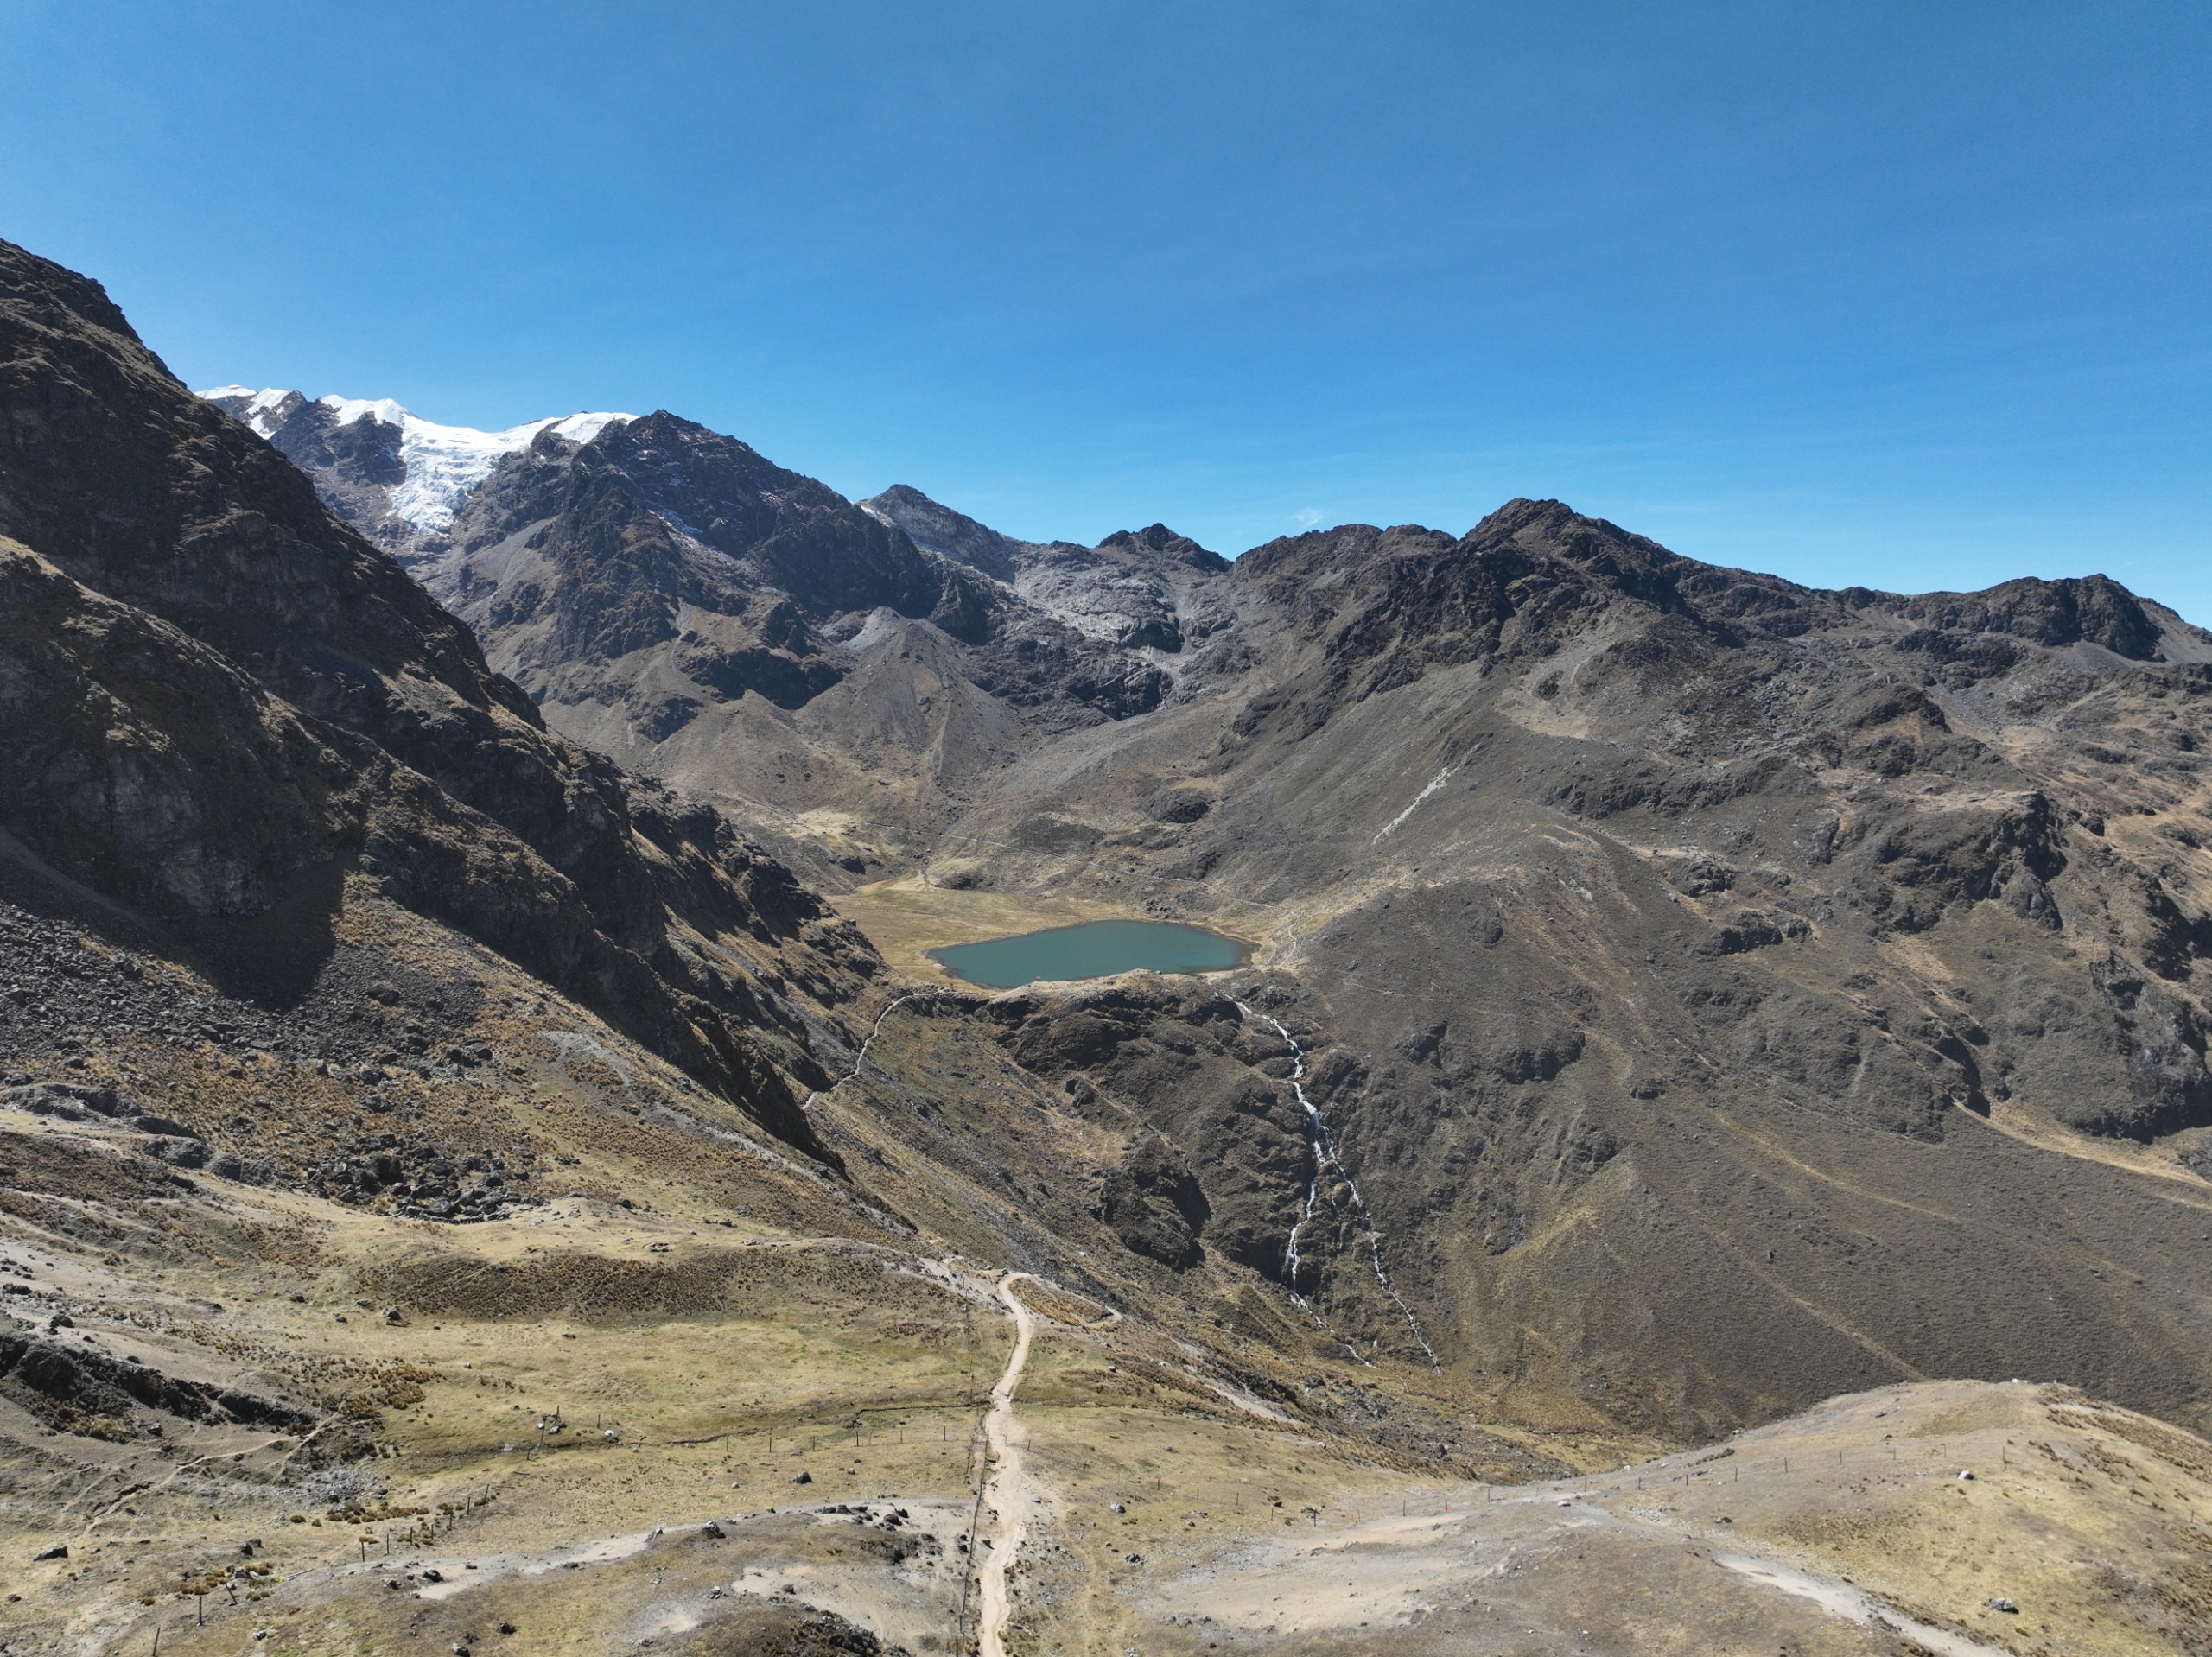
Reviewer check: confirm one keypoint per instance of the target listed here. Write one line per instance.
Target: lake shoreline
(1091, 949)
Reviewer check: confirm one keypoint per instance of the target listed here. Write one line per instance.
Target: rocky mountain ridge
(641, 583)
(395, 477)
(1677, 996)
(670, 597)
(1653, 906)
(1547, 832)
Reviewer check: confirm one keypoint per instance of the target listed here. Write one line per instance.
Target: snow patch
(260, 408)
(443, 463)
(346, 411)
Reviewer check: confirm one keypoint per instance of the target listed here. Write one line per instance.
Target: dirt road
(1009, 1493)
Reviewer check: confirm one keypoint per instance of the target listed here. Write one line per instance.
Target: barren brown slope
(1724, 991)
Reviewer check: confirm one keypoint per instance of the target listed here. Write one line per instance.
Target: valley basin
(1092, 949)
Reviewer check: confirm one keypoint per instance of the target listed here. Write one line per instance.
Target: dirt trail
(1010, 1493)
(1847, 1601)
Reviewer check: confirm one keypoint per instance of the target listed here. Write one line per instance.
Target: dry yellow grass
(905, 919)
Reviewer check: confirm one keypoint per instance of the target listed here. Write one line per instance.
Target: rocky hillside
(223, 706)
(1720, 992)
(1723, 991)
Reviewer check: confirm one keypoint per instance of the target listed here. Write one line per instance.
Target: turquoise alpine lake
(1094, 949)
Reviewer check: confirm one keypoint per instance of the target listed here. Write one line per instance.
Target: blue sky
(1909, 295)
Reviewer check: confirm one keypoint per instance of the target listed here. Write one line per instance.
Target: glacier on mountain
(442, 463)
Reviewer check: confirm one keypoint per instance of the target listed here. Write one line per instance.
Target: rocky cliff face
(1150, 592)
(223, 703)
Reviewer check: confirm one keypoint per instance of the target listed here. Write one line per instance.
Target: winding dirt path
(1010, 1494)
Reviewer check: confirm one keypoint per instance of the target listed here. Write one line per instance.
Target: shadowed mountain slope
(191, 619)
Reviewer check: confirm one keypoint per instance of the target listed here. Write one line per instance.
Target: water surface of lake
(1094, 949)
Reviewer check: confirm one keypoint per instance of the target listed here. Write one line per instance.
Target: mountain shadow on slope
(222, 699)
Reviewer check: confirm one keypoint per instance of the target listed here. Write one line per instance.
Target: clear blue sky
(1909, 295)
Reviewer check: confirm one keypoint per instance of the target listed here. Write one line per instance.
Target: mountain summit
(395, 476)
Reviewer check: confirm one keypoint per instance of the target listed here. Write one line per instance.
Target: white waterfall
(1326, 1159)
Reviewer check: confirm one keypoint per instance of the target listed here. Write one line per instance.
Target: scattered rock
(69, 1102)
(163, 1125)
(182, 1153)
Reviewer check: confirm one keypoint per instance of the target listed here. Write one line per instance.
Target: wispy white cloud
(1306, 516)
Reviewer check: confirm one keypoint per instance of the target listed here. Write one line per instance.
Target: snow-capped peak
(442, 463)
(346, 410)
(262, 410)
